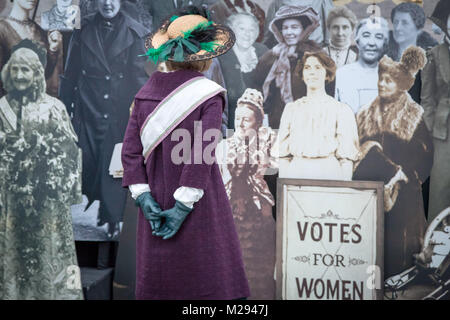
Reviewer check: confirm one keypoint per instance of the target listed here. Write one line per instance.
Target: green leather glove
(174, 219)
(149, 208)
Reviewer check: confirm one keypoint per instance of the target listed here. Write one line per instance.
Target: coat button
(106, 96)
(121, 75)
(107, 77)
(105, 116)
(83, 72)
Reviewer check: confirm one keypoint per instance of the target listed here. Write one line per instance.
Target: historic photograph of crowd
(315, 89)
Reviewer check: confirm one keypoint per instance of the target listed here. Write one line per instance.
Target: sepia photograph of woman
(397, 148)
(318, 137)
(243, 160)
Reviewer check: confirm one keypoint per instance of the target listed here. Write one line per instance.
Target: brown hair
(323, 58)
(200, 66)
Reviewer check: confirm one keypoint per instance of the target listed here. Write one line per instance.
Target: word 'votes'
(330, 231)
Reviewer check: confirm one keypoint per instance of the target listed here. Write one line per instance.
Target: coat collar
(160, 84)
(400, 118)
(126, 36)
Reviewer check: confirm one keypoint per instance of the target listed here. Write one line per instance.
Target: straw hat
(189, 35)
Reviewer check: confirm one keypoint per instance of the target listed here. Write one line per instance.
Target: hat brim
(225, 39)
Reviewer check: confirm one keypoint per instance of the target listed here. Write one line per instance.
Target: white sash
(174, 109)
(7, 113)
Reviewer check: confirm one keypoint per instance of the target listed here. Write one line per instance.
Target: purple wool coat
(203, 260)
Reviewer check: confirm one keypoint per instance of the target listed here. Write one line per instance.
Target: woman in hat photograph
(244, 159)
(436, 103)
(187, 245)
(396, 148)
(274, 73)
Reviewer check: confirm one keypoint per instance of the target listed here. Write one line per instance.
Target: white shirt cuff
(138, 189)
(188, 196)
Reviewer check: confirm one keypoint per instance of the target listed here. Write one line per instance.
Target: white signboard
(329, 240)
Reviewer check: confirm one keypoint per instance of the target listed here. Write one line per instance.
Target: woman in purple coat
(187, 245)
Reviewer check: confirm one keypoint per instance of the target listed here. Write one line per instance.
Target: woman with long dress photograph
(244, 158)
(40, 178)
(397, 148)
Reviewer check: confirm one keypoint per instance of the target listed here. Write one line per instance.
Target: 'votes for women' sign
(329, 240)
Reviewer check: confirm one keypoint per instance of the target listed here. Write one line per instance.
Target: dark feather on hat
(206, 34)
(185, 11)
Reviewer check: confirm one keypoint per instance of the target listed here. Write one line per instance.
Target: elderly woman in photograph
(242, 59)
(39, 179)
(318, 138)
(222, 9)
(274, 73)
(341, 23)
(18, 26)
(408, 20)
(244, 159)
(396, 148)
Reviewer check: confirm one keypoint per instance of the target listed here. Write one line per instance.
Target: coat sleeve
(258, 76)
(421, 159)
(347, 134)
(428, 91)
(136, 64)
(68, 81)
(198, 175)
(132, 159)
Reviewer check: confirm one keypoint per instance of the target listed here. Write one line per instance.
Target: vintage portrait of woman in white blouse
(318, 137)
